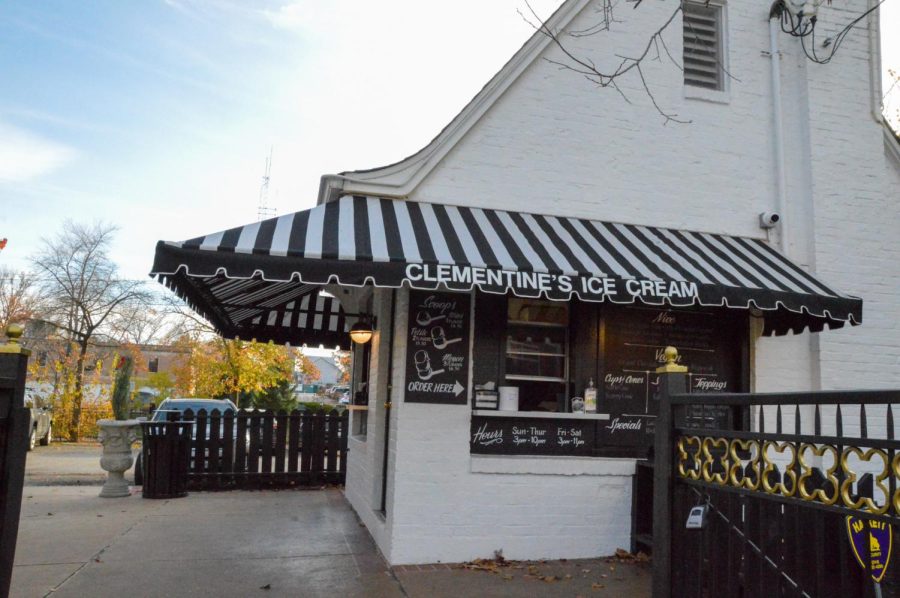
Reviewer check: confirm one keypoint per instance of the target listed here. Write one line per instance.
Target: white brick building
(541, 140)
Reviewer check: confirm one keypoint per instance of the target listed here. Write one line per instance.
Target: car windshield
(182, 406)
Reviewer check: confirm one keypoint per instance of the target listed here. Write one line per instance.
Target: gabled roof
(400, 179)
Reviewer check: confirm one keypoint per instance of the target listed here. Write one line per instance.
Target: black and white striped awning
(250, 308)
(391, 243)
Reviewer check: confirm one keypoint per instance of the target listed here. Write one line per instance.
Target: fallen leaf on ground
(493, 565)
(268, 586)
(624, 555)
(550, 578)
(597, 586)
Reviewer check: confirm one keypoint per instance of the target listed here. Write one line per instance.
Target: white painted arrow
(458, 388)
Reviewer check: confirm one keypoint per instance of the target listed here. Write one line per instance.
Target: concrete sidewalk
(268, 543)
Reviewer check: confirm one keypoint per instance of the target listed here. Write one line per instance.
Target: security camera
(769, 219)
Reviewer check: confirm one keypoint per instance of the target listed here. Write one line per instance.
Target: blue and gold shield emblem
(870, 539)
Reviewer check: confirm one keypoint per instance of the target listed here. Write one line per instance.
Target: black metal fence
(777, 475)
(14, 420)
(256, 449)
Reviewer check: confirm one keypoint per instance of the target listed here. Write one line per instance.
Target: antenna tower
(263, 211)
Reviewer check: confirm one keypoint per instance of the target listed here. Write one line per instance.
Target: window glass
(537, 353)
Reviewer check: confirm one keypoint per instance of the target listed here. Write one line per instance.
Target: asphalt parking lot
(66, 464)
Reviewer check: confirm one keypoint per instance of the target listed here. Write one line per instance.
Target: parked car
(179, 406)
(345, 398)
(337, 392)
(40, 425)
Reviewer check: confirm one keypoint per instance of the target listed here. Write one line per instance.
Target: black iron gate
(776, 477)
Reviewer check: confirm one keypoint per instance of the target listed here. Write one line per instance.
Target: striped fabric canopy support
(251, 277)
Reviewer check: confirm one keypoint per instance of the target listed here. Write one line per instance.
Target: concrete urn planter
(117, 438)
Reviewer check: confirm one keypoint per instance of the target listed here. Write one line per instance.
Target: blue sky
(158, 116)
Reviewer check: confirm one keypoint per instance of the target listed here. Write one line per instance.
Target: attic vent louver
(703, 45)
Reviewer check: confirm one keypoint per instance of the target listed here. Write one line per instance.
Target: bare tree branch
(603, 78)
(82, 290)
(603, 24)
(19, 300)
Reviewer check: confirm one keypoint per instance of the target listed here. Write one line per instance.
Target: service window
(537, 353)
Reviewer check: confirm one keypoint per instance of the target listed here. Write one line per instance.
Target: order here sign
(437, 350)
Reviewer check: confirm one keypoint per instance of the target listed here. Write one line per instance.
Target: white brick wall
(366, 452)
(444, 512)
(556, 144)
(857, 218)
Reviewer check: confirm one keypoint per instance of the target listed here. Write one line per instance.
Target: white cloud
(288, 16)
(302, 16)
(25, 156)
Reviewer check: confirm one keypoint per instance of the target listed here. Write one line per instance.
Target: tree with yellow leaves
(221, 368)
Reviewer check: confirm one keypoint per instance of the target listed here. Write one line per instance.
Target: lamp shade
(361, 332)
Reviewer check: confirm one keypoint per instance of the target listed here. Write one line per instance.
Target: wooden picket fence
(264, 449)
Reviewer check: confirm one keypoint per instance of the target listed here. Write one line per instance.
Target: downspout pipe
(815, 373)
(778, 124)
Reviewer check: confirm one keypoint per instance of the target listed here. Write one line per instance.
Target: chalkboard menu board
(532, 436)
(708, 342)
(437, 351)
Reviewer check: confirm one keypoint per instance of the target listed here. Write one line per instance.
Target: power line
(797, 26)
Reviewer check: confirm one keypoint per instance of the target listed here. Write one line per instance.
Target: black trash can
(166, 452)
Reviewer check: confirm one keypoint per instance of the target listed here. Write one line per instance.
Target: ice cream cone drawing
(423, 366)
(423, 318)
(439, 338)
